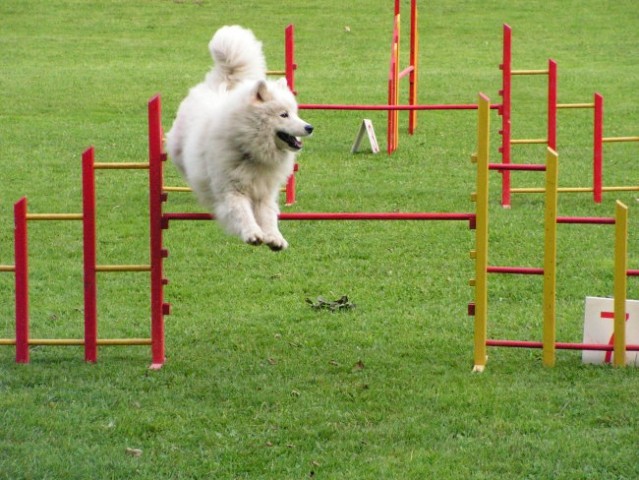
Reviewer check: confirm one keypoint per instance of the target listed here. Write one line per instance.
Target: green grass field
(257, 384)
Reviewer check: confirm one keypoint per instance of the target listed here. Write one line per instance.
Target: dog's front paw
(276, 242)
(253, 238)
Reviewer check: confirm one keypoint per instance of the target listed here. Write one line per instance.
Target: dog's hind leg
(234, 212)
(266, 213)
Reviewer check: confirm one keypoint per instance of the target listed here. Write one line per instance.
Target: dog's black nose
(309, 129)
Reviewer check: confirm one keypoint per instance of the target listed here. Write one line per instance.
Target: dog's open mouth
(293, 142)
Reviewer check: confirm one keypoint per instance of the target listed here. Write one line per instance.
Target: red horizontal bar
(376, 216)
(559, 345)
(587, 220)
(522, 270)
(632, 273)
(340, 216)
(321, 106)
(517, 166)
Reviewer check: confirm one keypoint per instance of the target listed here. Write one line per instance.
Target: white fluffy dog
(235, 138)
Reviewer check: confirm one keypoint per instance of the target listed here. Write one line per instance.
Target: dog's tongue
(290, 140)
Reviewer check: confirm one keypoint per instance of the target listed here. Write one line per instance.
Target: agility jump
(158, 222)
(550, 141)
(393, 107)
(20, 269)
(479, 309)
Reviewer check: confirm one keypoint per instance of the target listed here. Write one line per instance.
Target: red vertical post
(414, 59)
(22, 280)
(552, 104)
(289, 57)
(597, 174)
(397, 6)
(290, 67)
(290, 186)
(90, 256)
(506, 75)
(157, 253)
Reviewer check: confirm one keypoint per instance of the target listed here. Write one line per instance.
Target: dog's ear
(261, 92)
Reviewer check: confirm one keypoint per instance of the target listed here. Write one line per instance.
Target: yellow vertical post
(550, 258)
(621, 266)
(481, 234)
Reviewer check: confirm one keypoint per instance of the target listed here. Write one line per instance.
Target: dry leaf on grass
(134, 452)
(342, 303)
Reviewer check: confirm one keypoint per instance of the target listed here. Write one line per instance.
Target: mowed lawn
(257, 384)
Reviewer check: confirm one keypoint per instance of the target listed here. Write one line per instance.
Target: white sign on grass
(366, 130)
(599, 329)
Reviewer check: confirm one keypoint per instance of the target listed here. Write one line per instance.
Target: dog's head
(279, 104)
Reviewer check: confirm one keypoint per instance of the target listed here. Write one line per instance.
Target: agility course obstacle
(158, 222)
(553, 106)
(479, 309)
(395, 74)
(20, 269)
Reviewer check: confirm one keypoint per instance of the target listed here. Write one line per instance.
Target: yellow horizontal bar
(519, 141)
(276, 72)
(70, 342)
(576, 189)
(56, 341)
(529, 72)
(54, 216)
(527, 190)
(575, 105)
(620, 139)
(620, 189)
(7, 268)
(560, 189)
(124, 341)
(122, 166)
(123, 268)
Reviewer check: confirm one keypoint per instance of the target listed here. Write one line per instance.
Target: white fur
(225, 139)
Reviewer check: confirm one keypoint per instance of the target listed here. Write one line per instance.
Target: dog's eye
(284, 115)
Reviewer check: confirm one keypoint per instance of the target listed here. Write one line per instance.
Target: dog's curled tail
(237, 55)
